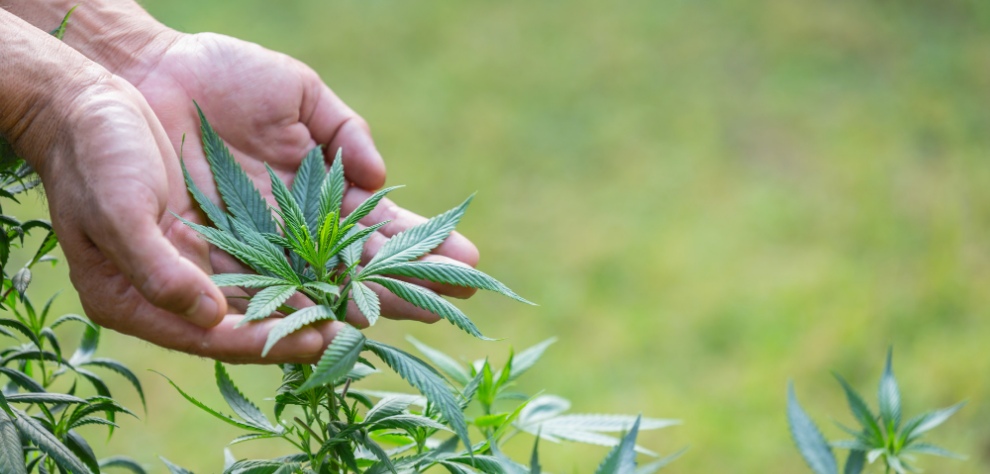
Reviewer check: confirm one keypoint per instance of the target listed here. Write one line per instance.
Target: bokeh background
(707, 199)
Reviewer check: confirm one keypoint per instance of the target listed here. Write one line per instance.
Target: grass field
(707, 199)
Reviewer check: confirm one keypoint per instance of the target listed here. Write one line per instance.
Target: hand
(270, 108)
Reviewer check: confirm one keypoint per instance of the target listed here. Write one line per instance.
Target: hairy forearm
(118, 34)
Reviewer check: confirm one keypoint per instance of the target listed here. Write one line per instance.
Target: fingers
(244, 344)
(333, 123)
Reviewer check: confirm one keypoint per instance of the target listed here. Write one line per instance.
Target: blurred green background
(707, 199)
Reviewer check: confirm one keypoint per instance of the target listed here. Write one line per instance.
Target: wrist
(117, 34)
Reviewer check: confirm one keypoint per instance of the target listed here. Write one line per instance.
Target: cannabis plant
(377, 432)
(881, 435)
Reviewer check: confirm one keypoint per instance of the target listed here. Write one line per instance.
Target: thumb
(157, 270)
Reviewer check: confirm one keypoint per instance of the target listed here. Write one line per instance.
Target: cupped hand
(270, 108)
(111, 178)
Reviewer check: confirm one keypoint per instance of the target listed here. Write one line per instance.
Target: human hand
(272, 109)
(110, 174)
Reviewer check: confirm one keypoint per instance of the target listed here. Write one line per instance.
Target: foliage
(307, 245)
(880, 435)
(356, 430)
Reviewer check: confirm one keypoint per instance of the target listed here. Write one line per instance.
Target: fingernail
(204, 312)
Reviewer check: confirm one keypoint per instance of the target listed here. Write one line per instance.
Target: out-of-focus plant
(881, 435)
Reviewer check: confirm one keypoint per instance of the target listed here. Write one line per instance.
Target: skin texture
(113, 178)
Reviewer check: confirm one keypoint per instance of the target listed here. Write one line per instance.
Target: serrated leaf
(33, 430)
(332, 189)
(295, 322)
(122, 462)
(172, 468)
(92, 420)
(289, 210)
(122, 370)
(660, 463)
(890, 396)
(454, 468)
(931, 449)
(21, 328)
(337, 360)
(366, 207)
(450, 274)
(262, 261)
(22, 380)
(809, 441)
(428, 381)
(243, 407)
(238, 191)
(485, 464)
(266, 301)
(87, 346)
(213, 212)
(306, 186)
(855, 462)
(44, 398)
(225, 418)
(409, 422)
(442, 361)
(534, 458)
(323, 287)
(914, 427)
(417, 241)
(11, 456)
(525, 360)
(604, 423)
(246, 280)
(71, 317)
(622, 459)
(78, 445)
(367, 301)
(430, 301)
(542, 408)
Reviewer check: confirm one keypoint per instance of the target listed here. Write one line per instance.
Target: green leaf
(387, 407)
(33, 430)
(485, 464)
(534, 459)
(920, 424)
(430, 301)
(306, 186)
(172, 468)
(22, 380)
(11, 456)
(325, 288)
(212, 211)
(123, 371)
(225, 418)
(450, 274)
(266, 301)
(243, 407)
(122, 462)
(71, 317)
(46, 246)
(541, 408)
(860, 410)
(291, 213)
(409, 423)
(238, 191)
(366, 207)
(525, 360)
(367, 301)
(59, 32)
(295, 322)
(21, 328)
(21, 280)
(604, 423)
(428, 381)
(87, 346)
(931, 449)
(622, 458)
(92, 420)
(890, 396)
(259, 257)
(855, 462)
(417, 241)
(442, 361)
(660, 463)
(247, 280)
(332, 189)
(338, 359)
(78, 445)
(809, 441)
(44, 398)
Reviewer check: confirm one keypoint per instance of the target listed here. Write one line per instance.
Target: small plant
(880, 435)
(405, 433)
(307, 245)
